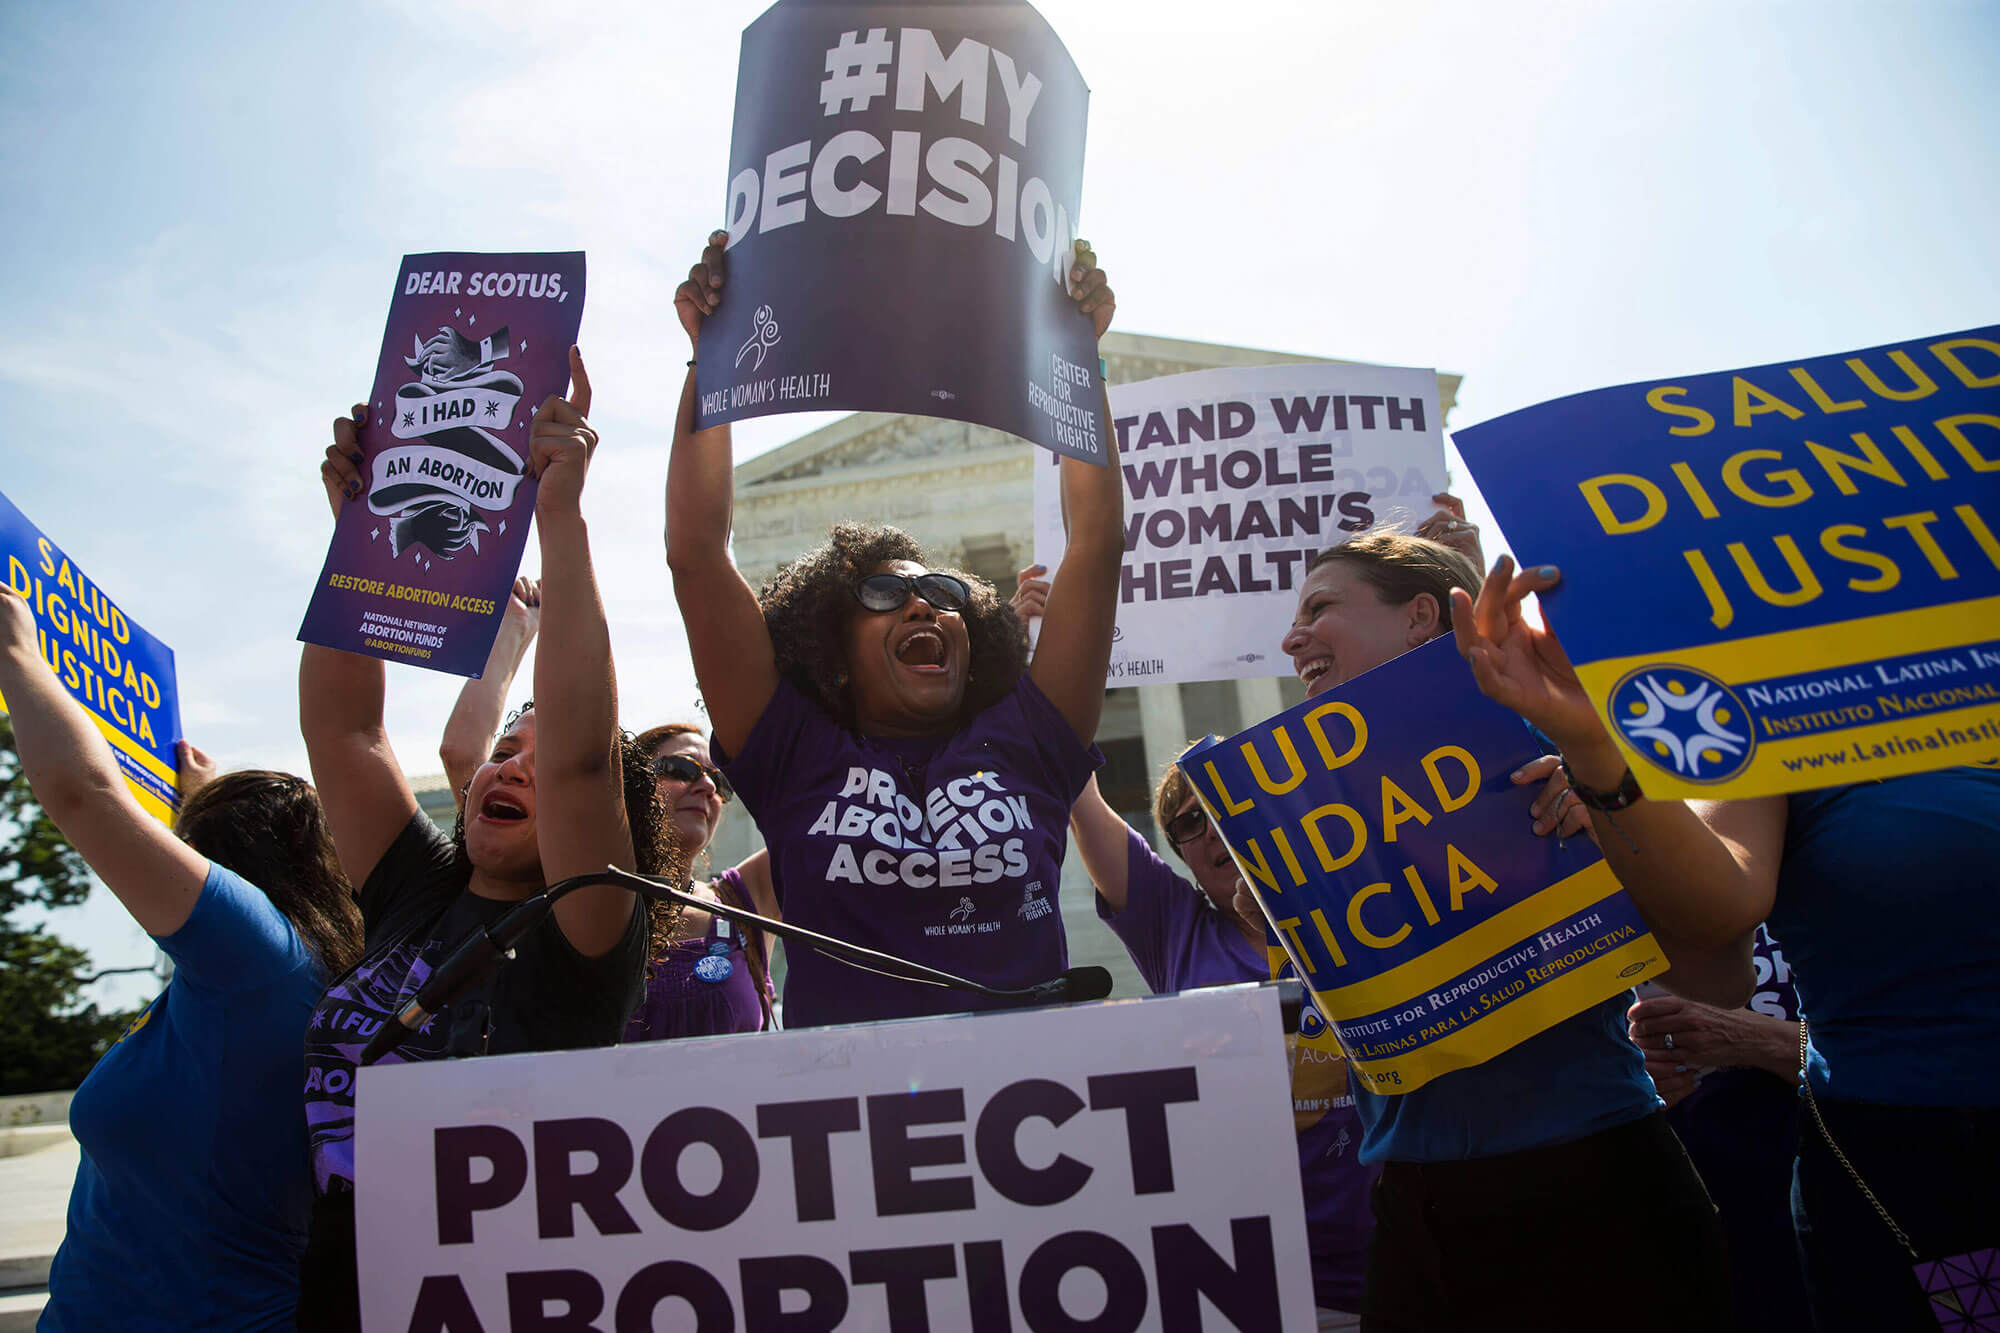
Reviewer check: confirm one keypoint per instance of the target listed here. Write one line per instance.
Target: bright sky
(206, 206)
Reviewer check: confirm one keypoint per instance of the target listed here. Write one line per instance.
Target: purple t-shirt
(705, 986)
(946, 850)
(1180, 942)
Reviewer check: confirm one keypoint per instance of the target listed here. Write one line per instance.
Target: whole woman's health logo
(1685, 722)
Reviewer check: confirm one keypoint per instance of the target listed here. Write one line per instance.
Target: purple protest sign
(420, 566)
(904, 186)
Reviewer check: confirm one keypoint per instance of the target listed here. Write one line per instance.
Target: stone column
(1163, 731)
(1258, 699)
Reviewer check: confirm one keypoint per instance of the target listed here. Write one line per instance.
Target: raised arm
(1075, 645)
(1703, 880)
(75, 777)
(361, 786)
(1103, 840)
(733, 663)
(475, 718)
(579, 779)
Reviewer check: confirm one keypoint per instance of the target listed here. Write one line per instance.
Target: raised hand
(1556, 810)
(1031, 592)
(524, 606)
(340, 473)
(701, 295)
(560, 443)
(1087, 288)
(1450, 527)
(195, 768)
(17, 622)
(1520, 665)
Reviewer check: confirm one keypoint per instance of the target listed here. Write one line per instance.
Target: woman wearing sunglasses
(910, 768)
(715, 977)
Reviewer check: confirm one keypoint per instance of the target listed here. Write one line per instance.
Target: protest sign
(1778, 578)
(421, 564)
(1234, 480)
(1377, 826)
(123, 676)
(904, 187)
(946, 1173)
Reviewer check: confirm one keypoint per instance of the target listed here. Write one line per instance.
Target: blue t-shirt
(1578, 1078)
(193, 1190)
(1889, 907)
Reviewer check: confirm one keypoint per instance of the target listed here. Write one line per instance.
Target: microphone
(488, 946)
(476, 954)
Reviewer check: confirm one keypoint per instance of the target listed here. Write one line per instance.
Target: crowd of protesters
(1835, 1106)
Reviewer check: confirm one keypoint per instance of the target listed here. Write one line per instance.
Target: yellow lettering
(47, 552)
(1918, 526)
(1398, 808)
(1953, 429)
(1752, 401)
(1915, 448)
(1808, 585)
(1263, 776)
(1720, 613)
(1593, 494)
(1982, 534)
(1359, 929)
(1463, 876)
(1290, 927)
(1327, 937)
(1357, 835)
(146, 729)
(1259, 868)
(1656, 398)
(1416, 883)
(1886, 574)
(1946, 352)
(1921, 385)
(1285, 850)
(1818, 395)
(1796, 490)
(1871, 463)
(1229, 803)
(1325, 747)
(1446, 801)
(1696, 492)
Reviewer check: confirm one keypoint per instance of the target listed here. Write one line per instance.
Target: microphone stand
(490, 945)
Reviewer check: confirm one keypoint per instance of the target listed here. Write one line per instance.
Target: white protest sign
(1127, 1165)
(1234, 480)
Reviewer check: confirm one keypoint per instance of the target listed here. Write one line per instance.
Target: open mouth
(1311, 671)
(923, 649)
(502, 809)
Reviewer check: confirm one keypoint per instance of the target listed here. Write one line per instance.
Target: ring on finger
(1670, 1041)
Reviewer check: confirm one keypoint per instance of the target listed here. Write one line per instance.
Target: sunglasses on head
(889, 592)
(684, 768)
(1188, 825)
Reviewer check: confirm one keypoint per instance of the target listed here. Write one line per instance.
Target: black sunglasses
(683, 768)
(889, 592)
(1188, 825)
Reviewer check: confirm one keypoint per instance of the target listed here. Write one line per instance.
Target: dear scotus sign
(1039, 1171)
(905, 182)
(1776, 578)
(419, 568)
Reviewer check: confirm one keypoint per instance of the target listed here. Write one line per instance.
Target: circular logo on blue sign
(714, 968)
(1684, 722)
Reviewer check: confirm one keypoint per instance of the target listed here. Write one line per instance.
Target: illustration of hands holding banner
(1778, 578)
(1389, 848)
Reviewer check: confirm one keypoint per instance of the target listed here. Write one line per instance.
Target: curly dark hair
(656, 843)
(807, 602)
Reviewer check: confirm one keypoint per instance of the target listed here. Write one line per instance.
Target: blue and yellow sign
(1778, 578)
(123, 676)
(1379, 828)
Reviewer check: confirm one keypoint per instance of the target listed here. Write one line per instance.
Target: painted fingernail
(356, 456)
(1549, 572)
